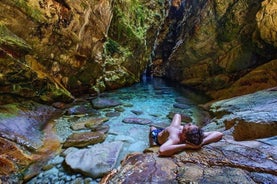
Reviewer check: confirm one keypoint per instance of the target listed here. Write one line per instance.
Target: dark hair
(195, 136)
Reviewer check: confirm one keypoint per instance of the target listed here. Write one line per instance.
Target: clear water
(154, 98)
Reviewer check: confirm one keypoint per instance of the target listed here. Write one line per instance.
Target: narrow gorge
(81, 81)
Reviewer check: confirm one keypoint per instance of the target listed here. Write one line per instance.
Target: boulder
(84, 139)
(251, 116)
(95, 161)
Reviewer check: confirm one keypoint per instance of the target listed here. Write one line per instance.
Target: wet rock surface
(124, 146)
(84, 139)
(223, 162)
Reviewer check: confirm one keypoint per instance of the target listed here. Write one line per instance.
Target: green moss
(132, 18)
(112, 47)
(30, 11)
(8, 111)
(9, 39)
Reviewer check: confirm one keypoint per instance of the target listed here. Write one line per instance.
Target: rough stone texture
(95, 161)
(12, 158)
(84, 139)
(101, 103)
(266, 22)
(23, 123)
(224, 162)
(140, 121)
(56, 50)
(213, 45)
(89, 123)
(250, 116)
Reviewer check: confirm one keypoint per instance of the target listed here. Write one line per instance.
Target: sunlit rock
(213, 47)
(266, 22)
(89, 123)
(68, 48)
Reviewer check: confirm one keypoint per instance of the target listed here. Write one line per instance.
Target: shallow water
(153, 98)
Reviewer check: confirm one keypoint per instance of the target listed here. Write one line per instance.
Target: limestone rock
(222, 162)
(23, 123)
(266, 22)
(73, 47)
(84, 139)
(140, 121)
(95, 161)
(212, 47)
(251, 116)
(12, 158)
(90, 123)
(101, 103)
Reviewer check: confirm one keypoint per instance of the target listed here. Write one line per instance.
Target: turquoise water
(150, 99)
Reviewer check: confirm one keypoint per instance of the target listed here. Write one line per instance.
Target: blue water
(154, 98)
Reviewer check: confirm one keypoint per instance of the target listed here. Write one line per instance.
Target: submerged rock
(95, 161)
(101, 103)
(140, 121)
(84, 139)
(89, 123)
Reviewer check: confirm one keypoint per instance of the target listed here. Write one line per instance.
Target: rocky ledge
(246, 154)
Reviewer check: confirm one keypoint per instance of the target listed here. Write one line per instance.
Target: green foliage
(132, 19)
(8, 38)
(29, 10)
(112, 47)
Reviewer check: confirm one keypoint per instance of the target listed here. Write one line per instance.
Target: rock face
(59, 49)
(223, 48)
(12, 158)
(251, 116)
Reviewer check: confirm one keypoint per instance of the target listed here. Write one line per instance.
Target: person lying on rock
(176, 137)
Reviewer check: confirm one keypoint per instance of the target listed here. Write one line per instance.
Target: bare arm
(169, 148)
(176, 121)
(210, 137)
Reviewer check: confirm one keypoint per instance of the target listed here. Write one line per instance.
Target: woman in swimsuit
(177, 137)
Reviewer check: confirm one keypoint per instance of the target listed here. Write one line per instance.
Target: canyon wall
(55, 50)
(224, 48)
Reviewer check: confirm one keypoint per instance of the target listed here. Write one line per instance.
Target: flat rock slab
(252, 116)
(84, 139)
(101, 103)
(140, 121)
(226, 161)
(95, 161)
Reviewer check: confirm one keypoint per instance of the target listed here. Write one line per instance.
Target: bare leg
(176, 121)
